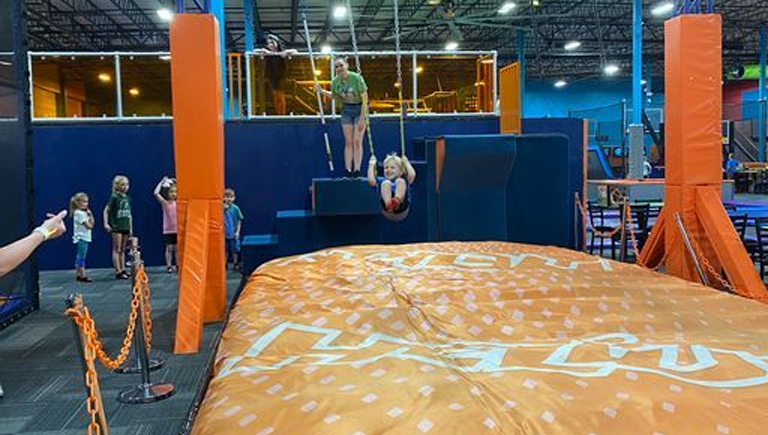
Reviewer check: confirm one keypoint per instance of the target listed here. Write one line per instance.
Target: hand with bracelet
(15, 253)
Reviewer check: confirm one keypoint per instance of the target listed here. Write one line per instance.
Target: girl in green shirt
(349, 90)
(119, 222)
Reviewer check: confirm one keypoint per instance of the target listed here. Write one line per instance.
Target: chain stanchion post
(623, 247)
(146, 392)
(94, 404)
(155, 361)
(691, 251)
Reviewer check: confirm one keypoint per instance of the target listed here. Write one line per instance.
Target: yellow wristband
(46, 233)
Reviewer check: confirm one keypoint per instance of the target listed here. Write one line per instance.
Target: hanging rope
(317, 86)
(359, 68)
(399, 77)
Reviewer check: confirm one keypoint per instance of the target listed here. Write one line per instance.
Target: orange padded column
(692, 127)
(198, 130)
(693, 67)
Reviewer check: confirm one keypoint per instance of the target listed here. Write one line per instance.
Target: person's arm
(89, 222)
(159, 186)
(372, 171)
(105, 216)
(15, 253)
(240, 218)
(410, 172)
(130, 219)
(288, 52)
(364, 97)
(323, 92)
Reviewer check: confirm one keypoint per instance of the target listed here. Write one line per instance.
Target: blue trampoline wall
(270, 164)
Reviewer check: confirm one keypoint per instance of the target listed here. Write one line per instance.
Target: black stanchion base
(155, 363)
(145, 393)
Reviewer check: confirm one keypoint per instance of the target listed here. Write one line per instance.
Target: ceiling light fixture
(572, 45)
(340, 11)
(165, 14)
(507, 7)
(611, 69)
(451, 45)
(662, 9)
(560, 83)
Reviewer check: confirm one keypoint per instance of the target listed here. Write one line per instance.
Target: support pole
(248, 25)
(761, 93)
(520, 38)
(217, 9)
(637, 62)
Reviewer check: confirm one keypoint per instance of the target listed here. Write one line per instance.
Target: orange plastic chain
(86, 323)
(142, 281)
(586, 222)
(92, 404)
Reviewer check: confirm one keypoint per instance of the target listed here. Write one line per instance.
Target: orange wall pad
(198, 126)
(192, 279)
(216, 287)
(509, 96)
(693, 105)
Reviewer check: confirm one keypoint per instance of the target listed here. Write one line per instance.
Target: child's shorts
(170, 239)
(233, 247)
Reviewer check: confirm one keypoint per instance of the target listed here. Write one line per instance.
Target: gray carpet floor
(40, 370)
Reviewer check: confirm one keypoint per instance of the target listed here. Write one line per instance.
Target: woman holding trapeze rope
(350, 89)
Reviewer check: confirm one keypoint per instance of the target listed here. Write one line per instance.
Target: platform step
(343, 196)
(260, 240)
(256, 250)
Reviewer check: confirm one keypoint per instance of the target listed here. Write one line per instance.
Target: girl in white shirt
(83, 222)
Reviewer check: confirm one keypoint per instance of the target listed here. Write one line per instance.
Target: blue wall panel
(543, 100)
(270, 164)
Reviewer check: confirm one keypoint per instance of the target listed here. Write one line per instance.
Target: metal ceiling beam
(91, 13)
(294, 19)
(148, 28)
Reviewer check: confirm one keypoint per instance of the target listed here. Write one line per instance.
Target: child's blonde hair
(229, 191)
(397, 160)
(74, 202)
(119, 179)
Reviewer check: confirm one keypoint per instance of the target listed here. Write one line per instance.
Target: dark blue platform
(344, 196)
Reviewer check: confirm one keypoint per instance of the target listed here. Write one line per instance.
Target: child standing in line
(394, 187)
(233, 219)
(169, 220)
(82, 224)
(119, 222)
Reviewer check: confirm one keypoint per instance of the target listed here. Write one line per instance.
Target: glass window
(285, 86)
(455, 83)
(8, 95)
(380, 74)
(146, 85)
(73, 86)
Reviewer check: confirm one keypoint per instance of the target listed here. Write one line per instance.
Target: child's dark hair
(276, 41)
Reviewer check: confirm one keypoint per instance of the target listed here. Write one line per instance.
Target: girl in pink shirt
(169, 220)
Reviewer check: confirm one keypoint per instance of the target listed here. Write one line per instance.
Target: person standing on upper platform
(349, 89)
(274, 65)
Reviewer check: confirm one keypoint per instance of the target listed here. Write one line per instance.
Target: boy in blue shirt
(731, 167)
(233, 219)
